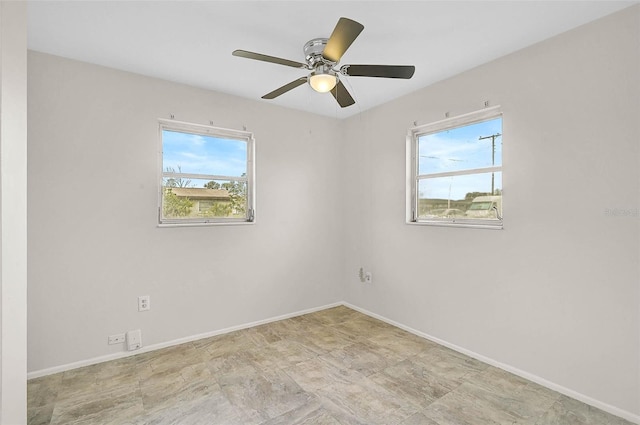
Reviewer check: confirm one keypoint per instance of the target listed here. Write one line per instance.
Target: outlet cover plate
(134, 340)
(116, 339)
(144, 303)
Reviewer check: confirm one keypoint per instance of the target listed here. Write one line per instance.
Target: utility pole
(493, 155)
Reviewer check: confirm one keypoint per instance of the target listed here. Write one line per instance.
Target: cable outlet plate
(116, 339)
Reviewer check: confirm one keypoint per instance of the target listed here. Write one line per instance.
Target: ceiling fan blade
(345, 32)
(267, 58)
(282, 90)
(342, 96)
(383, 71)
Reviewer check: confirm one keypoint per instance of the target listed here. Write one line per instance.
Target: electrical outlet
(144, 303)
(116, 339)
(368, 277)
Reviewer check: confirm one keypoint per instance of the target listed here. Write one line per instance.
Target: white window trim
(412, 176)
(207, 130)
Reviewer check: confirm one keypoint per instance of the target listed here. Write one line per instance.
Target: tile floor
(336, 366)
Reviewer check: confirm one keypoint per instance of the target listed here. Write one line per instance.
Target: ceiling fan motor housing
(313, 52)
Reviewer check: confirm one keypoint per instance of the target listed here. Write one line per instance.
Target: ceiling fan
(321, 58)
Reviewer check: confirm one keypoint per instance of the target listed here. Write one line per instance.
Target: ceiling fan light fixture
(323, 82)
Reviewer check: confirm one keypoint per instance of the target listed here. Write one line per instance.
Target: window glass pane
(472, 146)
(199, 154)
(465, 196)
(184, 198)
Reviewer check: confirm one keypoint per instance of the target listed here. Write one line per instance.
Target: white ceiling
(191, 41)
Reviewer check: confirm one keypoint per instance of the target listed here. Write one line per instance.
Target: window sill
(211, 223)
(492, 225)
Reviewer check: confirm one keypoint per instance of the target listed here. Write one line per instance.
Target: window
(206, 176)
(205, 205)
(455, 171)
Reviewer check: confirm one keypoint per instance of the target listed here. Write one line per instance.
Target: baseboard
(153, 347)
(526, 375)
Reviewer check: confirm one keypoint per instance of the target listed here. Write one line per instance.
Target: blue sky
(459, 149)
(199, 154)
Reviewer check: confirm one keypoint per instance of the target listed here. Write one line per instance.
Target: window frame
(413, 178)
(249, 179)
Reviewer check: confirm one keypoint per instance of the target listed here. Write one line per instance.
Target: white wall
(555, 294)
(13, 212)
(93, 242)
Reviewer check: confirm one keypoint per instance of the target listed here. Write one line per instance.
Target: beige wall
(93, 141)
(555, 294)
